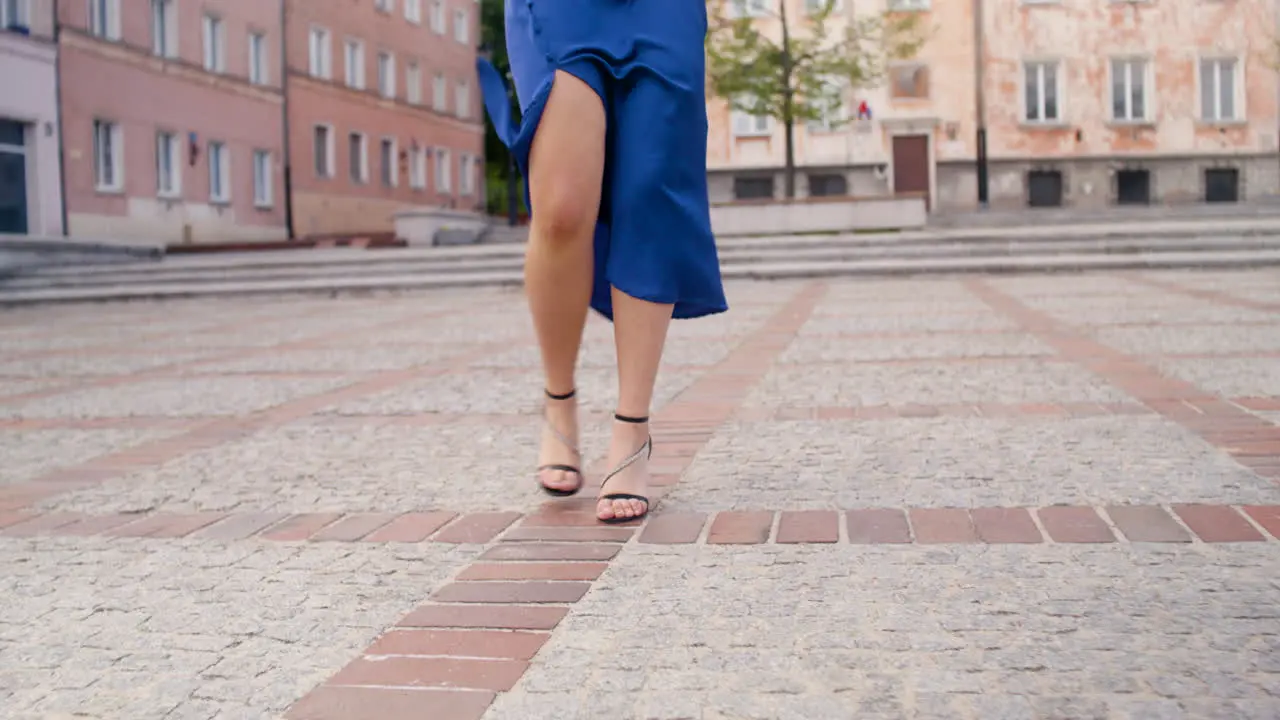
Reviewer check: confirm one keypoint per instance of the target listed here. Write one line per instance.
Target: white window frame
(164, 28)
(259, 64)
(168, 164)
(813, 7)
(385, 6)
(745, 125)
(462, 99)
(413, 82)
(386, 74)
(444, 174)
(389, 164)
(466, 174)
(219, 172)
(440, 93)
(418, 168)
(214, 31)
(438, 17)
(263, 179)
(413, 11)
(358, 164)
(108, 156)
(1059, 87)
(320, 52)
(107, 27)
(1237, 89)
(909, 5)
(835, 120)
(330, 161)
(353, 63)
(746, 8)
(462, 25)
(1126, 64)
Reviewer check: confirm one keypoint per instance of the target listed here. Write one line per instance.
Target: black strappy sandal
(645, 449)
(573, 447)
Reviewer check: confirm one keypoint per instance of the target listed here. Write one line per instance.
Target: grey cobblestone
(95, 364)
(1229, 377)
(810, 349)
(1169, 340)
(30, 453)
(872, 322)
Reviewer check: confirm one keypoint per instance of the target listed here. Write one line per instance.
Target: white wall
(28, 94)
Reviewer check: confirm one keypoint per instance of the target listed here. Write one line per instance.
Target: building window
(909, 81)
(748, 8)
(219, 172)
(1221, 185)
(386, 74)
(908, 5)
(828, 185)
(413, 82)
(1133, 187)
(1218, 90)
(747, 125)
(1129, 90)
(164, 28)
(108, 146)
(439, 93)
(387, 158)
(263, 195)
(258, 63)
(444, 178)
(1041, 92)
(168, 165)
(322, 149)
(462, 97)
(215, 47)
(461, 26)
(15, 14)
(353, 61)
(466, 174)
(813, 7)
(418, 168)
(753, 188)
(358, 156)
(437, 16)
(321, 54)
(413, 11)
(385, 6)
(104, 18)
(1044, 188)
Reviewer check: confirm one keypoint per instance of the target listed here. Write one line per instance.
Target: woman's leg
(566, 168)
(639, 331)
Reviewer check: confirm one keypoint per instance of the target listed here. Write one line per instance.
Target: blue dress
(645, 60)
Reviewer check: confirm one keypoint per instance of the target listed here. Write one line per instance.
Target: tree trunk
(788, 116)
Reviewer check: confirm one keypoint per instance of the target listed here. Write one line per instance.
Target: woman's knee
(562, 217)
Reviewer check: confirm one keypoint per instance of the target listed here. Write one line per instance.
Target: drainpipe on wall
(979, 99)
(57, 100)
(286, 150)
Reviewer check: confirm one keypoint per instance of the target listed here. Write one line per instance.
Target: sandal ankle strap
(633, 420)
(565, 396)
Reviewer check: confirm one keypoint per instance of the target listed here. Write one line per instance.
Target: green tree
(805, 72)
(498, 176)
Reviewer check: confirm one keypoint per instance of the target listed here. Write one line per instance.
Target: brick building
(384, 111)
(30, 178)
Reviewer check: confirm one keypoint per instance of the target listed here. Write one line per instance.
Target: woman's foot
(623, 492)
(559, 459)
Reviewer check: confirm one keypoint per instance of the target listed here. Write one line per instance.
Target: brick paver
(1006, 497)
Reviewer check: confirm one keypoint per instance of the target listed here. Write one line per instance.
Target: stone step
(391, 281)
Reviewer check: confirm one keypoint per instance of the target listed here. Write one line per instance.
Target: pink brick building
(172, 119)
(384, 111)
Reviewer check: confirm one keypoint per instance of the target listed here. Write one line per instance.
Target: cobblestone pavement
(1014, 497)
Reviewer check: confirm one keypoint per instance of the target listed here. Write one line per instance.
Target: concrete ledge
(429, 227)
(819, 215)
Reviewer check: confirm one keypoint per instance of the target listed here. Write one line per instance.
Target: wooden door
(911, 165)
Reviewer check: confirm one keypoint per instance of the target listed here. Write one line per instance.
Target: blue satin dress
(645, 60)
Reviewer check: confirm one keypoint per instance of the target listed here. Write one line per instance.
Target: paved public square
(997, 497)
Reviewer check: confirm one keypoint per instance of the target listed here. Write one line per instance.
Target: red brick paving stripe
(512, 593)
(493, 617)
(1217, 523)
(444, 672)
(476, 528)
(551, 551)
(570, 534)
(353, 527)
(98, 524)
(365, 703)
(878, 526)
(1147, 523)
(239, 527)
(673, 528)
(1267, 516)
(1073, 524)
(1001, 526)
(1214, 296)
(533, 571)
(749, 527)
(1259, 404)
(809, 526)
(300, 527)
(411, 527)
(942, 525)
(175, 525)
(45, 524)
(13, 517)
(496, 644)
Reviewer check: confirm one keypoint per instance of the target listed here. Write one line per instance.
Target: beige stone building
(1087, 103)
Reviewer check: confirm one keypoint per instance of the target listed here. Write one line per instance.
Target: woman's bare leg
(639, 331)
(566, 169)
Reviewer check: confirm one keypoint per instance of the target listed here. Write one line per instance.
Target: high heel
(571, 445)
(646, 450)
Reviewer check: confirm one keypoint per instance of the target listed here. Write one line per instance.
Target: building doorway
(911, 165)
(13, 178)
